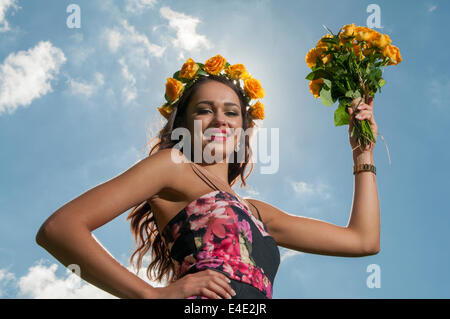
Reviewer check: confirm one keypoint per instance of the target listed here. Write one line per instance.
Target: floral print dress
(218, 231)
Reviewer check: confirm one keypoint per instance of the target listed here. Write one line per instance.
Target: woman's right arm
(66, 234)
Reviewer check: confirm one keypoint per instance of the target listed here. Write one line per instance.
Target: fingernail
(233, 292)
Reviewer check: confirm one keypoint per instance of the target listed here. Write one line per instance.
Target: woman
(205, 239)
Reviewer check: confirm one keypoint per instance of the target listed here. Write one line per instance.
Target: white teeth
(218, 135)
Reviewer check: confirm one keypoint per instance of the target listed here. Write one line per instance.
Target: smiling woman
(203, 238)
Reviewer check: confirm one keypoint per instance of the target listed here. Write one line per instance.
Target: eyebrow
(212, 103)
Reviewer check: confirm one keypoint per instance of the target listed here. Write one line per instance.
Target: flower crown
(217, 65)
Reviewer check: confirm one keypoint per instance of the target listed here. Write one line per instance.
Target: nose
(220, 119)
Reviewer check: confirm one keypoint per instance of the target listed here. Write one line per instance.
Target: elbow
(47, 232)
(371, 249)
(42, 235)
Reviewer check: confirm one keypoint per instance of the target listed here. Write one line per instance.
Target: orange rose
(165, 110)
(393, 53)
(174, 88)
(322, 46)
(189, 69)
(326, 59)
(253, 87)
(365, 34)
(257, 111)
(315, 86)
(381, 41)
(348, 30)
(311, 57)
(357, 50)
(237, 71)
(368, 50)
(215, 65)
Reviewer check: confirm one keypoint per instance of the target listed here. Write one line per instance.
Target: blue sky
(78, 106)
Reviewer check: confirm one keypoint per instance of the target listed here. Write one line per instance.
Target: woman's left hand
(363, 112)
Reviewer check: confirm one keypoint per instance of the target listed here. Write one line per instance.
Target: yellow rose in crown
(253, 88)
(174, 88)
(237, 72)
(215, 65)
(189, 69)
(165, 110)
(257, 111)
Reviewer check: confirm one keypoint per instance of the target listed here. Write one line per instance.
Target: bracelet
(364, 167)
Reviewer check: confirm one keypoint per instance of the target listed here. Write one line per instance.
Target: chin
(218, 151)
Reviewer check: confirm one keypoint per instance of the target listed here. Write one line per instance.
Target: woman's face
(217, 108)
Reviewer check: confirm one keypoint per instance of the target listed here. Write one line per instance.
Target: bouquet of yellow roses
(347, 66)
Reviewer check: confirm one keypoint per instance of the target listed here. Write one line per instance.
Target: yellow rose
(245, 76)
(326, 59)
(174, 88)
(257, 111)
(237, 71)
(321, 45)
(365, 34)
(357, 50)
(381, 40)
(165, 110)
(315, 86)
(253, 87)
(311, 57)
(348, 30)
(393, 53)
(368, 49)
(215, 65)
(189, 69)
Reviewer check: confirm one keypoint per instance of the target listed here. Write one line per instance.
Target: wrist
(149, 293)
(363, 158)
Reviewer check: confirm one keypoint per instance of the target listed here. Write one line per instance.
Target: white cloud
(439, 91)
(431, 8)
(114, 38)
(184, 25)
(132, 41)
(129, 92)
(42, 282)
(26, 75)
(310, 190)
(287, 253)
(5, 278)
(86, 89)
(138, 6)
(4, 6)
(135, 51)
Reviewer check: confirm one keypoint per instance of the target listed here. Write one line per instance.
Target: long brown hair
(142, 219)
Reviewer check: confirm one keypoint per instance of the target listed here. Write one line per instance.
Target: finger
(364, 107)
(356, 102)
(365, 115)
(225, 284)
(218, 289)
(204, 291)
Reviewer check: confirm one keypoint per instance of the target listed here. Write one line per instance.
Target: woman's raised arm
(66, 234)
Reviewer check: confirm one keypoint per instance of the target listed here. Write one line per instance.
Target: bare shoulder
(171, 165)
(171, 161)
(266, 210)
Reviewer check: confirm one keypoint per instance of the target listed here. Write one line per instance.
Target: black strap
(197, 169)
(217, 188)
(257, 211)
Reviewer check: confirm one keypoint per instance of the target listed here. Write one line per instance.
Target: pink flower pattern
(222, 237)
